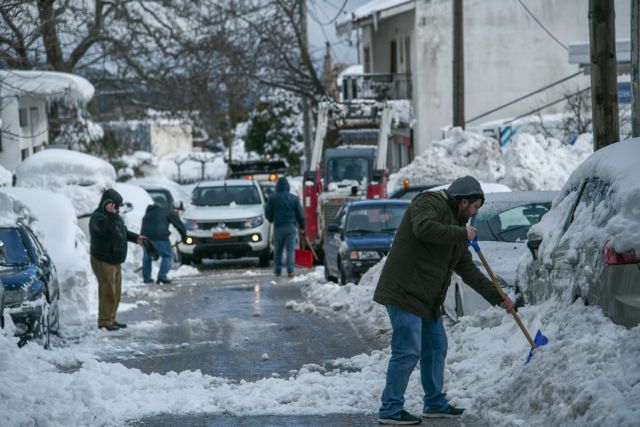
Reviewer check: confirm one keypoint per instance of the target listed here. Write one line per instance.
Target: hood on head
(282, 184)
(110, 195)
(466, 187)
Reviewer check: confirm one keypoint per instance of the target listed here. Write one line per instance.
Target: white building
(23, 109)
(511, 49)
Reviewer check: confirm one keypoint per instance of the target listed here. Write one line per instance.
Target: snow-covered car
(226, 220)
(487, 187)
(163, 191)
(359, 237)
(588, 244)
(30, 283)
(1, 295)
(502, 223)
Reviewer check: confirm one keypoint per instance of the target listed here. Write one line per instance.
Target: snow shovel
(540, 339)
(304, 258)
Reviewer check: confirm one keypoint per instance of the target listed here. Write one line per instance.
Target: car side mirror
(533, 243)
(179, 206)
(1, 250)
(46, 259)
(126, 207)
(333, 228)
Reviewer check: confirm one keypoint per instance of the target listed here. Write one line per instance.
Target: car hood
(212, 213)
(502, 257)
(14, 278)
(381, 241)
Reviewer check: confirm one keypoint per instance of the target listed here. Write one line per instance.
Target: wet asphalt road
(222, 321)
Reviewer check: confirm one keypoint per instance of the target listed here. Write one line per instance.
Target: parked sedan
(361, 234)
(30, 284)
(502, 223)
(588, 245)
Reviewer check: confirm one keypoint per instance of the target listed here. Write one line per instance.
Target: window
(348, 169)
(226, 195)
(25, 153)
(407, 53)
(594, 203)
(15, 252)
(22, 113)
(366, 53)
(510, 225)
(393, 49)
(0, 141)
(375, 219)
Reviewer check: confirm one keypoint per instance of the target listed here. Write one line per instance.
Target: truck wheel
(265, 257)
(185, 259)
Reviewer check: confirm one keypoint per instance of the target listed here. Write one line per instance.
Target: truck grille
(235, 225)
(330, 211)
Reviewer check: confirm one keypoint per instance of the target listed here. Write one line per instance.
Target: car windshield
(510, 225)
(350, 169)
(160, 198)
(375, 219)
(225, 195)
(14, 251)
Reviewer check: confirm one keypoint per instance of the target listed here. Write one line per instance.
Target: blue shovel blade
(539, 341)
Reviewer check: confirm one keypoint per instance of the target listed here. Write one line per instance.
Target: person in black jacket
(155, 226)
(109, 237)
(284, 211)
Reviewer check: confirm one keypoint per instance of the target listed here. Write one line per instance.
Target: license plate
(220, 236)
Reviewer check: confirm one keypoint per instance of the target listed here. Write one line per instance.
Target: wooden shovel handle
(494, 279)
(306, 239)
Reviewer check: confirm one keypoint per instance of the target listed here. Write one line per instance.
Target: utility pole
(635, 68)
(604, 78)
(305, 102)
(458, 65)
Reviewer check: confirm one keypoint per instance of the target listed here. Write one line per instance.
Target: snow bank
(5, 176)
(527, 163)
(80, 177)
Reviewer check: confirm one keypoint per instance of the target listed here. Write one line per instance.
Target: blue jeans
(415, 339)
(164, 249)
(283, 238)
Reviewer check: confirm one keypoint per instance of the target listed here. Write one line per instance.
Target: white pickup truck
(226, 220)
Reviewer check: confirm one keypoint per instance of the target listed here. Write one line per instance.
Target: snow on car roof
(487, 187)
(229, 182)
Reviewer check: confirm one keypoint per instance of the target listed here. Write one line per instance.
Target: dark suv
(30, 284)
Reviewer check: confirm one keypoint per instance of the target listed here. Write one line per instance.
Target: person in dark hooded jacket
(430, 244)
(108, 247)
(284, 211)
(155, 226)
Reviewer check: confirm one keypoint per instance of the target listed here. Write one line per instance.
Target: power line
(542, 25)
(334, 19)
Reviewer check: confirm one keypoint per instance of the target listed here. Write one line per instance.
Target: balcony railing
(377, 86)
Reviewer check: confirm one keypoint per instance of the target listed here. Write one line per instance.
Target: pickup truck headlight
(364, 255)
(254, 222)
(190, 224)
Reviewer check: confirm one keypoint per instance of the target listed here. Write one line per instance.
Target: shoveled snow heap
(5, 176)
(79, 176)
(529, 162)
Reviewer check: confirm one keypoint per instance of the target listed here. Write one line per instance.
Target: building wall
(167, 139)
(396, 28)
(22, 141)
(507, 55)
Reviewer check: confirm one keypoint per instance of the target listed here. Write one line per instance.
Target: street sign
(624, 93)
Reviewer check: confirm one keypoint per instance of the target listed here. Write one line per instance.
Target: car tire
(459, 307)
(328, 277)
(185, 259)
(265, 257)
(43, 333)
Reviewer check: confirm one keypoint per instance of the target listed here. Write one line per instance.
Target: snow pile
(5, 177)
(517, 165)
(80, 177)
(58, 231)
(140, 162)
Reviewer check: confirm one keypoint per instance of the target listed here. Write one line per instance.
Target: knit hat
(466, 187)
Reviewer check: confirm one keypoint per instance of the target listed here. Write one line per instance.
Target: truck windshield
(225, 195)
(375, 219)
(348, 169)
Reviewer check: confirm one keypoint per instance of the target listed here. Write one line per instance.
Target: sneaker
(120, 325)
(402, 417)
(448, 412)
(163, 280)
(113, 327)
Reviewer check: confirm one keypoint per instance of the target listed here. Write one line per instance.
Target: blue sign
(624, 93)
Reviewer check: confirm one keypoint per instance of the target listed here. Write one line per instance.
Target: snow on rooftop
(376, 6)
(49, 84)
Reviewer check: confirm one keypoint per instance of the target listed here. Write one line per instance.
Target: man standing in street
(284, 211)
(109, 238)
(155, 226)
(431, 243)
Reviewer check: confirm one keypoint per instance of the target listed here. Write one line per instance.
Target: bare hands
(507, 304)
(141, 239)
(471, 233)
